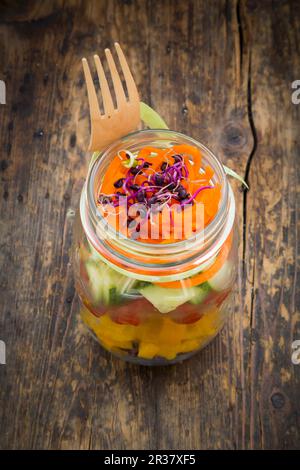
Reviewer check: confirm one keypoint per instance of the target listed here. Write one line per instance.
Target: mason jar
(154, 303)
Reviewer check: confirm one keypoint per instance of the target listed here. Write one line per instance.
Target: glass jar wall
(154, 303)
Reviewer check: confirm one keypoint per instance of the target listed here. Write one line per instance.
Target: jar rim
(218, 166)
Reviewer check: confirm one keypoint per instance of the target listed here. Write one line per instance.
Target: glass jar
(154, 304)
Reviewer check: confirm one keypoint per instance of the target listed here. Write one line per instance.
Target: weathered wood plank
(271, 227)
(220, 71)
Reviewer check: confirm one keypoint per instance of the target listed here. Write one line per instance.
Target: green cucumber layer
(109, 287)
(106, 285)
(201, 293)
(223, 278)
(166, 300)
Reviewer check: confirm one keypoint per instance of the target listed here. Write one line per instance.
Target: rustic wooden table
(220, 71)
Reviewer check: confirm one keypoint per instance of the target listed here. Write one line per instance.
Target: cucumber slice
(201, 293)
(223, 278)
(95, 280)
(94, 254)
(166, 300)
(141, 284)
(151, 118)
(106, 285)
(127, 284)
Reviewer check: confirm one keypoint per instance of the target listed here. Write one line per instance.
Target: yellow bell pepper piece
(112, 345)
(208, 325)
(109, 332)
(90, 320)
(171, 333)
(105, 327)
(189, 345)
(114, 331)
(149, 331)
(168, 352)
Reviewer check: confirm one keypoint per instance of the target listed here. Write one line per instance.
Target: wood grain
(220, 71)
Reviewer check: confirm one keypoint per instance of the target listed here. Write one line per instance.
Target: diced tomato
(128, 319)
(186, 314)
(132, 313)
(83, 272)
(216, 298)
(222, 297)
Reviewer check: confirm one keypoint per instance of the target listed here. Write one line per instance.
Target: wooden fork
(114, 123)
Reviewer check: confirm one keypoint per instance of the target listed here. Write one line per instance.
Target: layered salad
(142, 196)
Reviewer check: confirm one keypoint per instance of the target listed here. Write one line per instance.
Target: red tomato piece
(132, 313)
(186, 314)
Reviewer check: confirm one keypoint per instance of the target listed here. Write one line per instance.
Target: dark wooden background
(220, 71)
